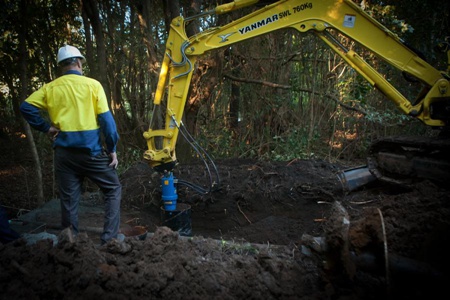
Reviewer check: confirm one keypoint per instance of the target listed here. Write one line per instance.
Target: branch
(262, 82)
(275, 85)
(335, 100)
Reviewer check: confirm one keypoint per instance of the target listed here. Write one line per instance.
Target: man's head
(69, 57)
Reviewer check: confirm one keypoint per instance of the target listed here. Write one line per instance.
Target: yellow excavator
(388, 159)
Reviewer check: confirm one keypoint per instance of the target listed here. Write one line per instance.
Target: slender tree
(23, 94)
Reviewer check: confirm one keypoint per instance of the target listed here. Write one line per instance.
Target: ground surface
(274, 230)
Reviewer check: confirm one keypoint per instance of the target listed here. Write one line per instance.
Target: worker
(79, 117)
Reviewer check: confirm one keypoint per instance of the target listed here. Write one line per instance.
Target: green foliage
(293, 144)
(385, 117)
(127, 158)
(354, 88)
(241, 248)
(219, 143)
(386, 14)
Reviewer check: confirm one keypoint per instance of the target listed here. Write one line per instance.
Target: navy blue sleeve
(32, 115)
(109, 130)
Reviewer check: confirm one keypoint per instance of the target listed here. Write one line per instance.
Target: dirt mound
(163, 266)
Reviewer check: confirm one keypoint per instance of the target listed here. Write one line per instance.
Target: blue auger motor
(169, 192)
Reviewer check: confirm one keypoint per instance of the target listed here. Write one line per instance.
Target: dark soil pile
(274, 230)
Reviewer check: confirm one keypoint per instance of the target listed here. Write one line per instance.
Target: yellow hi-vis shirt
(77, 105)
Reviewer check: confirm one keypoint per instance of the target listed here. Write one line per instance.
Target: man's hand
(114, 161)
(52, 132)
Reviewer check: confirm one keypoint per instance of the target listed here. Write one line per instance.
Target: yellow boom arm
(316, 16)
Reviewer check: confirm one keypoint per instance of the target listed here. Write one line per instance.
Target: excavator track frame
(405, 159)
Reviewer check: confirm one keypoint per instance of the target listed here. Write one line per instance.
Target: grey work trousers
(72, 166)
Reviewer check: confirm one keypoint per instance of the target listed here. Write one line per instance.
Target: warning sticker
(349, 21)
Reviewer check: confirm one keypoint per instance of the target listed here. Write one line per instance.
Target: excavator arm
(326, 19)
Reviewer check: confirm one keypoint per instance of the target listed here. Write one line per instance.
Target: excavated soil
(273, 230)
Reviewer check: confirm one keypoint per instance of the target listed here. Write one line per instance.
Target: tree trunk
(91, 9)
(23, 95)
(143, 11)
(235, 96)
(89, 44)
(171, 10)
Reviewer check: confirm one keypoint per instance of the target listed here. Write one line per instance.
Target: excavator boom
(326, 19)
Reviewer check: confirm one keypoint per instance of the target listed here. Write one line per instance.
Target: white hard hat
(68, 52)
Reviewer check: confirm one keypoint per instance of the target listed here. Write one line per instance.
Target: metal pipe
(354, 178)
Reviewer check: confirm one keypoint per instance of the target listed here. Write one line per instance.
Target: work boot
(120, 237)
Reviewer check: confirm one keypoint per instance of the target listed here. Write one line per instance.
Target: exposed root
(386, 258)
(237, 203)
